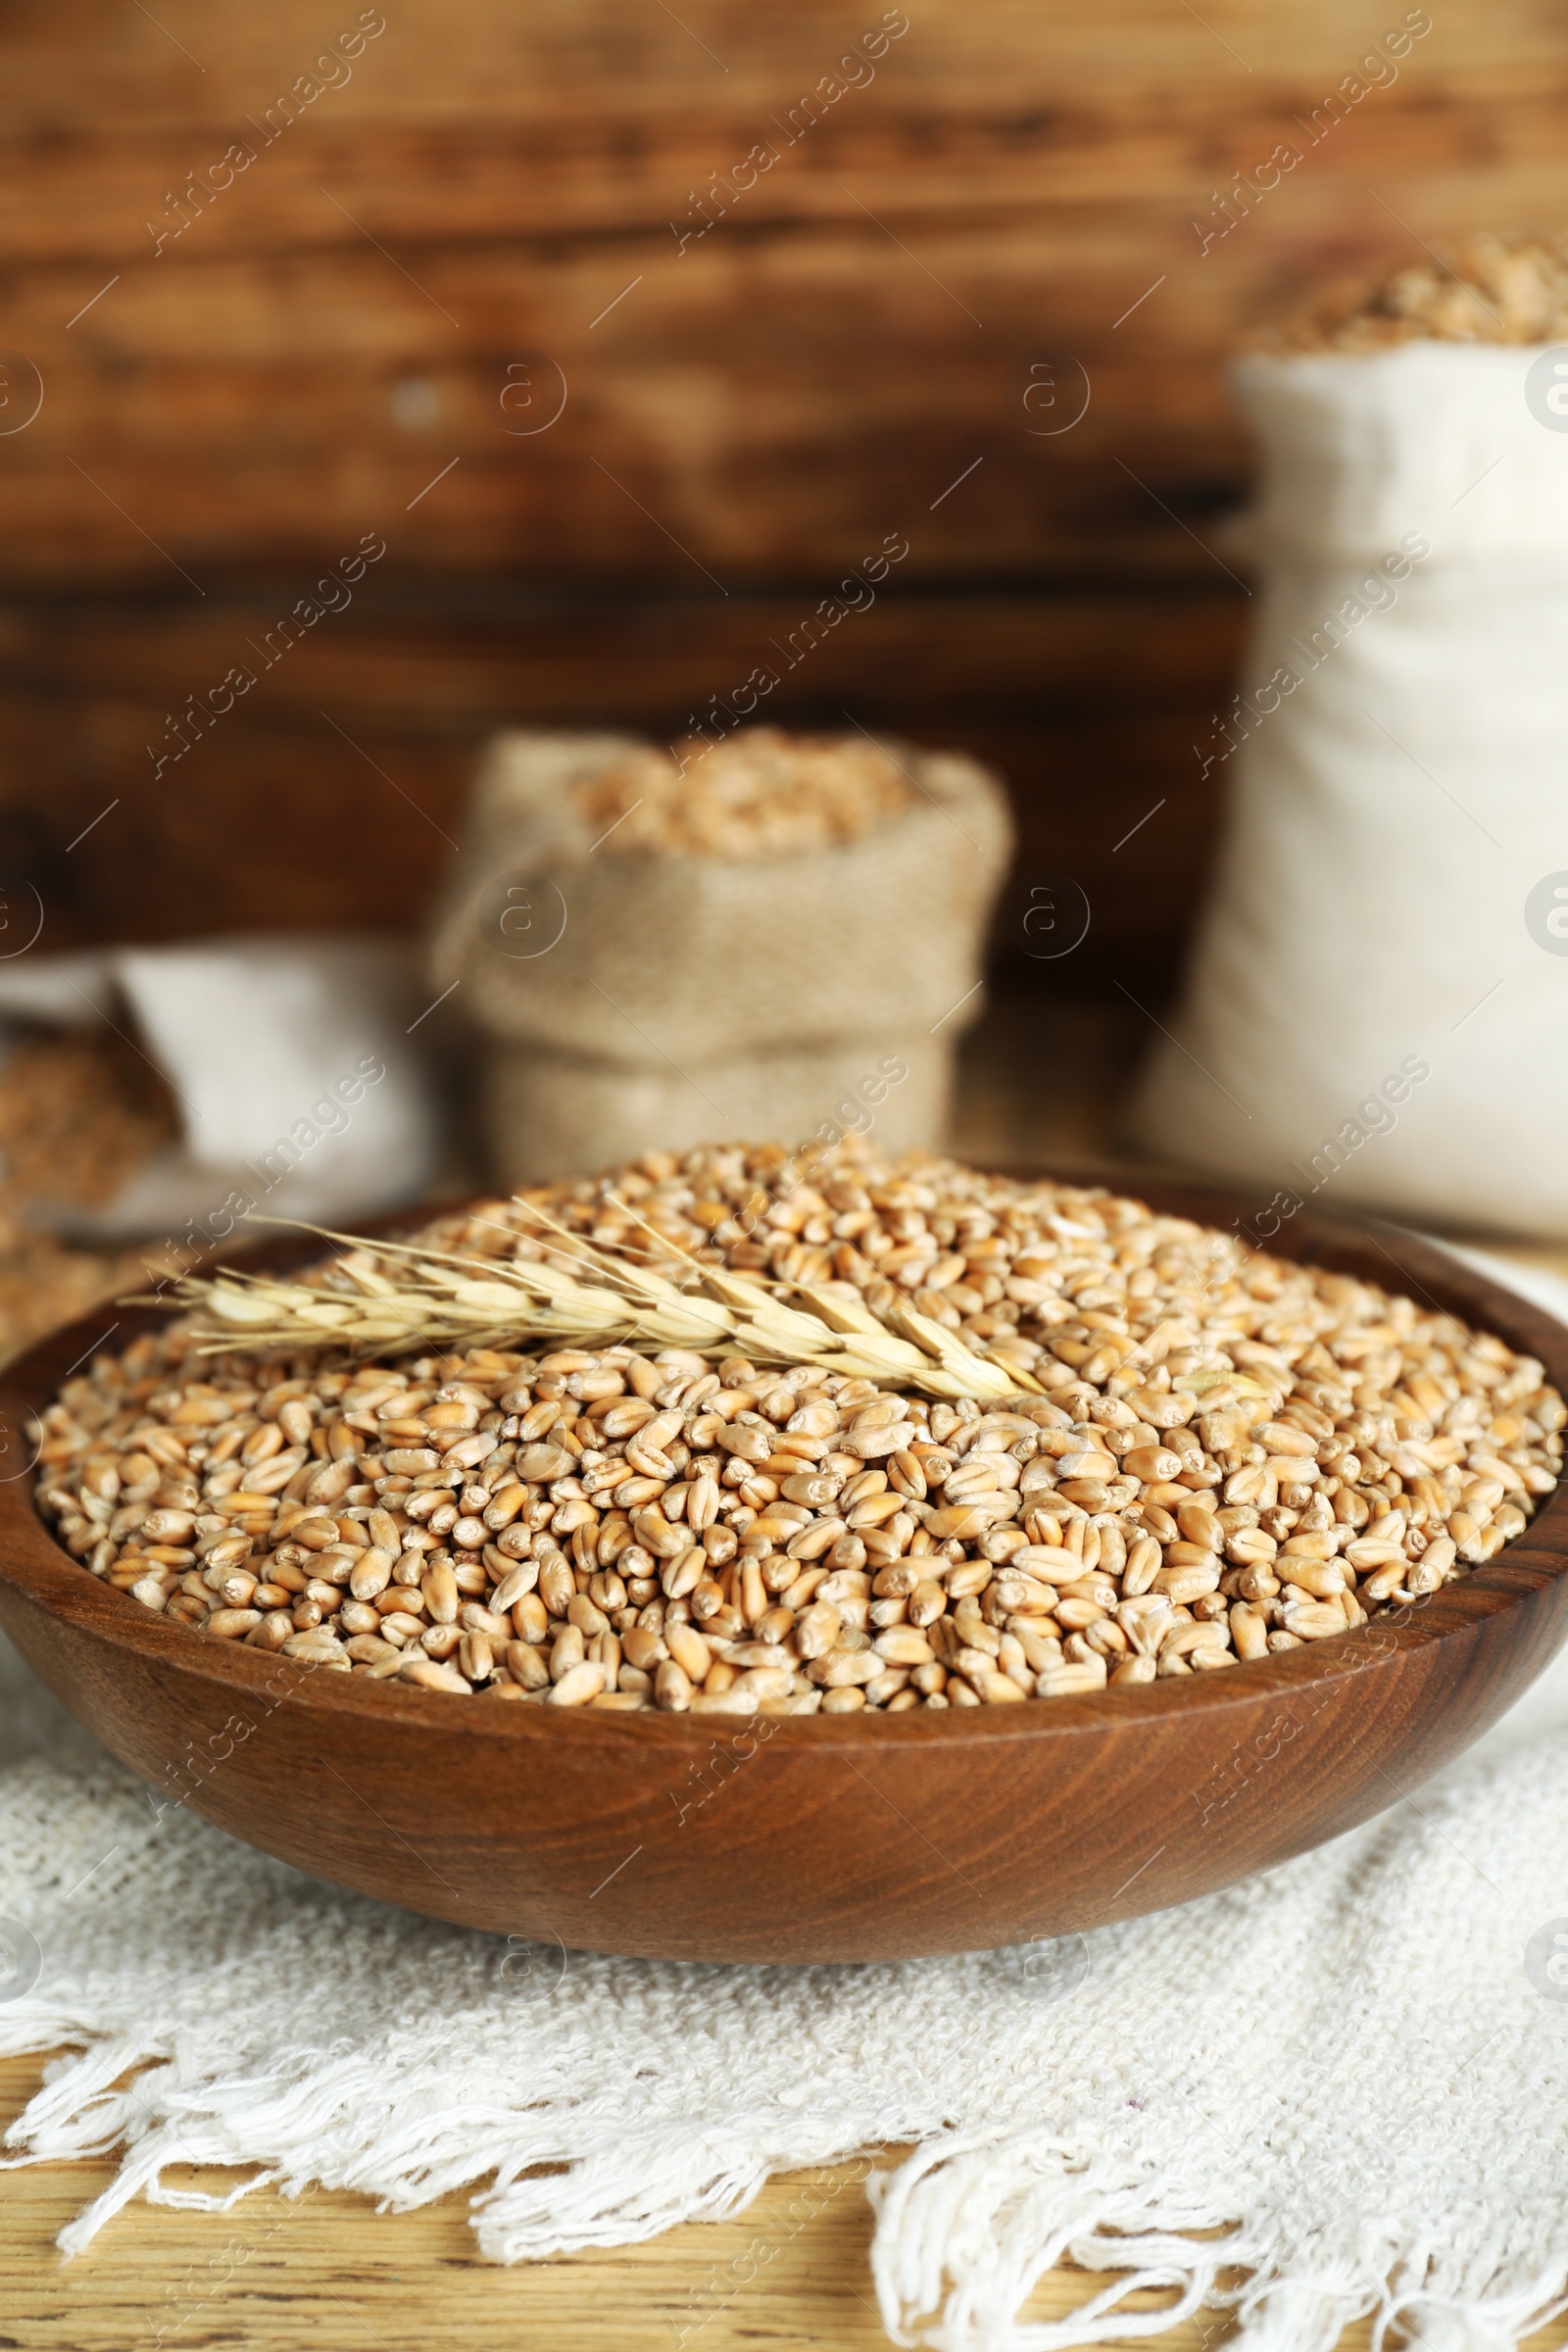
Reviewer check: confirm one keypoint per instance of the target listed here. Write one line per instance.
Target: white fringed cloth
(1353, 2069)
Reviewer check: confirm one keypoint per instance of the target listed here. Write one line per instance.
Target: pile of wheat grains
(760, 794)
(1493, 291)
(1223, 1454)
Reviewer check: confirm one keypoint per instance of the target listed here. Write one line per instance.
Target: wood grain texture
(790, 1838)
(853, 330)
(331, 345)
(329, 2270)
(328, 2265)
(790, 2274)
(331, 791)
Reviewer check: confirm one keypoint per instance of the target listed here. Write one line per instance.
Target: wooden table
(271, 2272)
(328, 2269)
(1040, 1083)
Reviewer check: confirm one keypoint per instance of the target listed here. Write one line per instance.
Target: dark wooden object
(287, 359)
(331, 343)
(821, 1838)
(358, 747)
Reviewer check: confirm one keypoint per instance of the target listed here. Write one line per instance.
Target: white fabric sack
(298, 1089)
(1377, 1002)
(1355, 2066)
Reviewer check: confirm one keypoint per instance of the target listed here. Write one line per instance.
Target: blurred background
(504, 305)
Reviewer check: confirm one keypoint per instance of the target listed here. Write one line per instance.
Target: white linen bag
(1378, 1005)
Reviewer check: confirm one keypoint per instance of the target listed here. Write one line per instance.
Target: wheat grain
(1494, 292)
(1267, 1453)
(763, 794)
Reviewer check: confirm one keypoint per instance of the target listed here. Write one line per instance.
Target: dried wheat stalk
(596, 1297)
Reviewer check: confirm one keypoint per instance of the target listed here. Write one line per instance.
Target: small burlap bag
(654, 1002)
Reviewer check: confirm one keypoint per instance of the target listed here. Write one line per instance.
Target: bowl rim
(43, 1573)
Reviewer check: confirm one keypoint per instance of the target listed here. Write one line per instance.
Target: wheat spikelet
(597, 1299)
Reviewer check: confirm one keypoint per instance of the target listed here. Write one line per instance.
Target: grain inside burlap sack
(638, 1003)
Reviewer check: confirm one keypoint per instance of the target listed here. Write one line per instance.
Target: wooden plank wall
(365, 320)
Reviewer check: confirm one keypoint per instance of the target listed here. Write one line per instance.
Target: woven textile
(707, 999)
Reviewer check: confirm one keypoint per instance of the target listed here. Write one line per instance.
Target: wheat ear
(597, 1299)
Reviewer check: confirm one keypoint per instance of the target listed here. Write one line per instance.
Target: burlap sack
(637, 1002)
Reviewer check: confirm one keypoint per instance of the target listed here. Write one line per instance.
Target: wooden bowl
(815, 1837)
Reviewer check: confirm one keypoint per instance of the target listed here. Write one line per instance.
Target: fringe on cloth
(1338, 2090)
